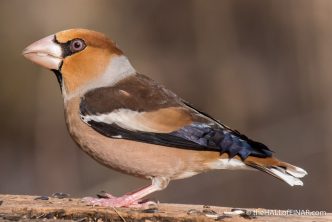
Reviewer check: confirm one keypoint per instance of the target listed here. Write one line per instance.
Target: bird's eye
(77, 45)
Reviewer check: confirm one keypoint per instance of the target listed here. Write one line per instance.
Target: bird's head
(79, 58)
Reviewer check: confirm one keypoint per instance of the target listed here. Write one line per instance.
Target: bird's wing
(137, 108)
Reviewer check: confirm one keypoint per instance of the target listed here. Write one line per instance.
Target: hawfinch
(130, 123)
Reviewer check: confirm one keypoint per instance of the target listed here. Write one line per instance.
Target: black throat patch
(58, 75)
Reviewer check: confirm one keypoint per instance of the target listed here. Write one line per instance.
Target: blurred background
(262, 67)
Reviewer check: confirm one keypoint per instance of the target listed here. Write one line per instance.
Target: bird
(135, 125)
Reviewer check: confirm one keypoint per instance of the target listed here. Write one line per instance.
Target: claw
(125, 201)
(133, 199)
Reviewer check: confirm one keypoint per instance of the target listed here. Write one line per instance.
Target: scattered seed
(238, 210)
(102, 194)
(247, 214)
(50, 215)
(194, 212)
(211, 214)
(60, 195)
(209, 211)
(151, 210)
(222, 217)
(41, 198)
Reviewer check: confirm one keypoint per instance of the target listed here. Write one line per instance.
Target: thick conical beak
(45, 52)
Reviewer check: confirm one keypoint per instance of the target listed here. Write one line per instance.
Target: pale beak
(45, 52)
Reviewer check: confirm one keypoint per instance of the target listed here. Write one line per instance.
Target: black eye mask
(71, 47)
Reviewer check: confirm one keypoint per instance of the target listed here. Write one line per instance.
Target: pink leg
(131, 199)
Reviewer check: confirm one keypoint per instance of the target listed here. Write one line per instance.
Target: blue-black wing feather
(196, 136)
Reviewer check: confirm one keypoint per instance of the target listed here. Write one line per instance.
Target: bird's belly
(135, 158)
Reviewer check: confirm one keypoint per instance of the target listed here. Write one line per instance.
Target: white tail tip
(296, 172)
(290, 175)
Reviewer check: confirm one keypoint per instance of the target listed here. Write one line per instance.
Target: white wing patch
(124, 118)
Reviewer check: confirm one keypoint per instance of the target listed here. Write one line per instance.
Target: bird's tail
(281, 170)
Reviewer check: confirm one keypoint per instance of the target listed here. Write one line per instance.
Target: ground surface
(62, 207)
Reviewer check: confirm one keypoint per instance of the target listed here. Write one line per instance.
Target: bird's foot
(109, 200)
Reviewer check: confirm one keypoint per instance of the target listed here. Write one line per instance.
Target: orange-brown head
(79, 57)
